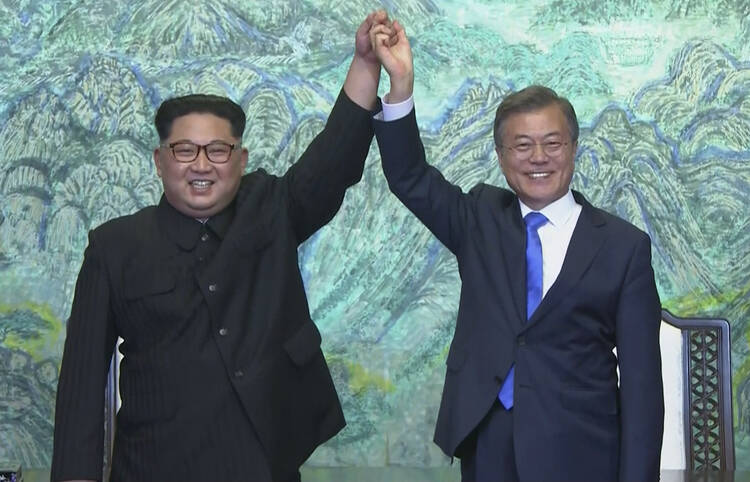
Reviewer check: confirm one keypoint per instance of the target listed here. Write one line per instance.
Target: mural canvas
(662, 91)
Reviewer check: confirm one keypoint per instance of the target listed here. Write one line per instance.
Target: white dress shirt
(555, 234)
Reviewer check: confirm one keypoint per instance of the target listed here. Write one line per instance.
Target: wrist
(401, 89)
(361, 84)
(369, 62)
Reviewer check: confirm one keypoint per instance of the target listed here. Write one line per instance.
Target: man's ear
(575, 151)
(157, 161)
(243, 159)
(499, 152)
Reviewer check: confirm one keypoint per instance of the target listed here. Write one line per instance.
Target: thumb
(401, 34)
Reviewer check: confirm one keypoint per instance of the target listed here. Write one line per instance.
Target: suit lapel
(588, 238)
(513, 246)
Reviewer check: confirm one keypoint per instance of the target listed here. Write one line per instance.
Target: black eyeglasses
(216, 152)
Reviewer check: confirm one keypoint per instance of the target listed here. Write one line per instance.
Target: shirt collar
(557, 212)
(220, 222)
(185, 230)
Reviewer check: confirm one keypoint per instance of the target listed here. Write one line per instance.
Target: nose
(537, 154)
(201, 163)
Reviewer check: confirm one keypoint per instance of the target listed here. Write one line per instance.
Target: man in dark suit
(223, 377)
(550, 285)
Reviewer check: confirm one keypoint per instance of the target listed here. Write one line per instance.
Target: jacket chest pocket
(153, 298)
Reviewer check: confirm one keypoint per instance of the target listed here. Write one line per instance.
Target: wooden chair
(696, 370)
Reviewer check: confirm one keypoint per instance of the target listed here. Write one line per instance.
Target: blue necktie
(533, 290)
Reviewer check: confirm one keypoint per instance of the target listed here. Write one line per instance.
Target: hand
(392, 49)
(362, 44)
(361, 84)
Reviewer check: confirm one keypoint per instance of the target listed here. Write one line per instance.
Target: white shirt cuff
(392, 112)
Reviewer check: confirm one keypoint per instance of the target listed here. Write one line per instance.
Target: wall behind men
(662, 89)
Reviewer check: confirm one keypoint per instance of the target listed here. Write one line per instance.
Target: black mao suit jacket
(571, 421)
(260, 354)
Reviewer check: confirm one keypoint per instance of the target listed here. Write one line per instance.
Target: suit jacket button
(223, 331)
(212, 288)
(238, 374)
(204, 238)
(521, 340)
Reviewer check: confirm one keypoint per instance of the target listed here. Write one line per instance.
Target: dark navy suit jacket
(571, 420)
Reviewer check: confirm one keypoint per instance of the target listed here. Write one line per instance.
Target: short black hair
(533, 98)
(171, 109)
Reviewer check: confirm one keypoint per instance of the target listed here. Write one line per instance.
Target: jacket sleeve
(440, 205)
(78, 447)
(332, 162)
(639, 358)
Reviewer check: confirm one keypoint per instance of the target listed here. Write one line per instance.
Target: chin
(195, 211)
(204, 213)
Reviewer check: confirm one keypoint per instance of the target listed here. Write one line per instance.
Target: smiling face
(200, 188)
(543, 175)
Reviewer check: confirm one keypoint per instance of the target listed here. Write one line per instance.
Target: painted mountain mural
(662, 89)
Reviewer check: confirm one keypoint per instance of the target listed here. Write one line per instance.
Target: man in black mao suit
(223, 376)
(531, 389)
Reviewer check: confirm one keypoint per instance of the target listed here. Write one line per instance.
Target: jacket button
(239, 373)
(521, 340)
(223, 331)
(212, 288)
(204, 238)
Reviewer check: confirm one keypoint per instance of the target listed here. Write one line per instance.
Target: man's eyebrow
(178, 141)
(545, 136)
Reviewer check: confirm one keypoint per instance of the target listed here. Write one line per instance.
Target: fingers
(376, 18)
(381, 29)
(387, 41)
(379, 16)
(380, 35)
(396, 32)
(399, 32)
(388, 35)
(366, 24)
(384, 33)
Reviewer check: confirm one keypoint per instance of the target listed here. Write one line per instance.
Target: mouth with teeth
(201, 184)
(538, 175)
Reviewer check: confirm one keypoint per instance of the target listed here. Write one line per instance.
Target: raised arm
(336, 157)
(440, 205)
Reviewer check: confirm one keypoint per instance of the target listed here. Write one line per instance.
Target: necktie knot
(534, 220)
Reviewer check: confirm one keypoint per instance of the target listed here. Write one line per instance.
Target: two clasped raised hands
(389, 44)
